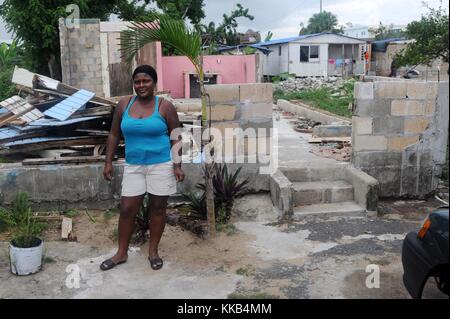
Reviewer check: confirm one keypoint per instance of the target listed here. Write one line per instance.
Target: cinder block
(417, 90)
(93, 27)
(225, 127)
(252, 110)
(220, 93)
(373, 108)
(369, 143)
(433, 90)
(409, 181)
(388, 125)
(390, 89)
(256, 92)
(256, 145)
(416, 125)
(401, 142)
(364, 90)
(430, 106)
(377, 159)
(362, 125)
(221, 112)
(407, 107)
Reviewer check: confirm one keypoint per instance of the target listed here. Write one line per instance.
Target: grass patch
(251, 295)
(115, 234)
(110, 213)
(4, 160)
(71, 213)
(228, 229)
(333, 100)
(49, 260)
(247, 270)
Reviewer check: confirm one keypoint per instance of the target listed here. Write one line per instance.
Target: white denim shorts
(157, 179)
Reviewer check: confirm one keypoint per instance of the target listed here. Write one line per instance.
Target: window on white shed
(314, 52)
(309, 53)
(304, 53)
(279, 50)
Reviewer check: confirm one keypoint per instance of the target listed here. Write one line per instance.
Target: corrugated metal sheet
(8, 133)
(63, 110)
(39, 140)
(51, 122)
(17, 105)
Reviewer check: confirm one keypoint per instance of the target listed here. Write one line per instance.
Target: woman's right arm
(113, 138)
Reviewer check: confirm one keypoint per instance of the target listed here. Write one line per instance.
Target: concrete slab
(317, 257)
(334, 209)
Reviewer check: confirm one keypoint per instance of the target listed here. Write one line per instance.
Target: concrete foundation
(312, 113)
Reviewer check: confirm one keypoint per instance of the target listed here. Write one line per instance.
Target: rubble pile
(47, 115)
(296, 84)
(304, 125)
(338, 151)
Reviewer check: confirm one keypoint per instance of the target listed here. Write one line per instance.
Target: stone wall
(399, 136)
(81, 58)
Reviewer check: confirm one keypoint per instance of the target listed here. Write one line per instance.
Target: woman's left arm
(174, 128)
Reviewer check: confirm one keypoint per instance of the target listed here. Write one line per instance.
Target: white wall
(273, 64)
(318, 68)
(289, 61)
(361, 32)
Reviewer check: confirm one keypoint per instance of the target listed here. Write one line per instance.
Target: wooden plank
(15, 116)
(93, 132)
(93, 111)
(147, 55)
(64, 160)
(120, 79)
(330, 140)
(66, 227)
(82, 140)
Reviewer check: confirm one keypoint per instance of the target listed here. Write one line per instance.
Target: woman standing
(146, 122)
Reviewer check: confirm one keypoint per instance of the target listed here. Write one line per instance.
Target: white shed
(321, 54)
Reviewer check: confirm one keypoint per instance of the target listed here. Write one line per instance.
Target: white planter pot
(26, 261)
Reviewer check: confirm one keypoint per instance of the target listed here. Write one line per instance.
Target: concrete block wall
(60, 187)
(81, 59)
(242, 106)
(399, 136)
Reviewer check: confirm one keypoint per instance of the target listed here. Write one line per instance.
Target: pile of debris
(296, 84)
(305, 125)
(339, 151)
(47, 115)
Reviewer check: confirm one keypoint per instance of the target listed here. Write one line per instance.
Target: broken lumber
(66, 227)
(63, 160)
(330, 140)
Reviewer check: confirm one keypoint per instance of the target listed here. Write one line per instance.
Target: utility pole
(320, 6)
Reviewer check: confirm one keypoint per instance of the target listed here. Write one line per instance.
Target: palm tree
(188, 42)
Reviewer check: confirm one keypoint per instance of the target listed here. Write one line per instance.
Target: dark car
(425, 254)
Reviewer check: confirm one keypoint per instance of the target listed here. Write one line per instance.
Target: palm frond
(166, 30)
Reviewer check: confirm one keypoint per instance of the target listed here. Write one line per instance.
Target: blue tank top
(146, 140)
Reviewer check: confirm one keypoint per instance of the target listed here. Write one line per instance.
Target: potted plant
(26, 246)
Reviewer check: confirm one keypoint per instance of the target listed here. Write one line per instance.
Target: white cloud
(283, 17)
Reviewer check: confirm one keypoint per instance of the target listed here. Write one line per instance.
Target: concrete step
(332, 209)
(307, 193)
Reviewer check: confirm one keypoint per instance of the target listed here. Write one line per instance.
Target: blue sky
(283, 17)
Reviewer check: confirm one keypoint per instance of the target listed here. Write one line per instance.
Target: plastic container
(26, 261)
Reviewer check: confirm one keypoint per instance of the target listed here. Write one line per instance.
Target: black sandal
(156, 263)
(109, 264)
